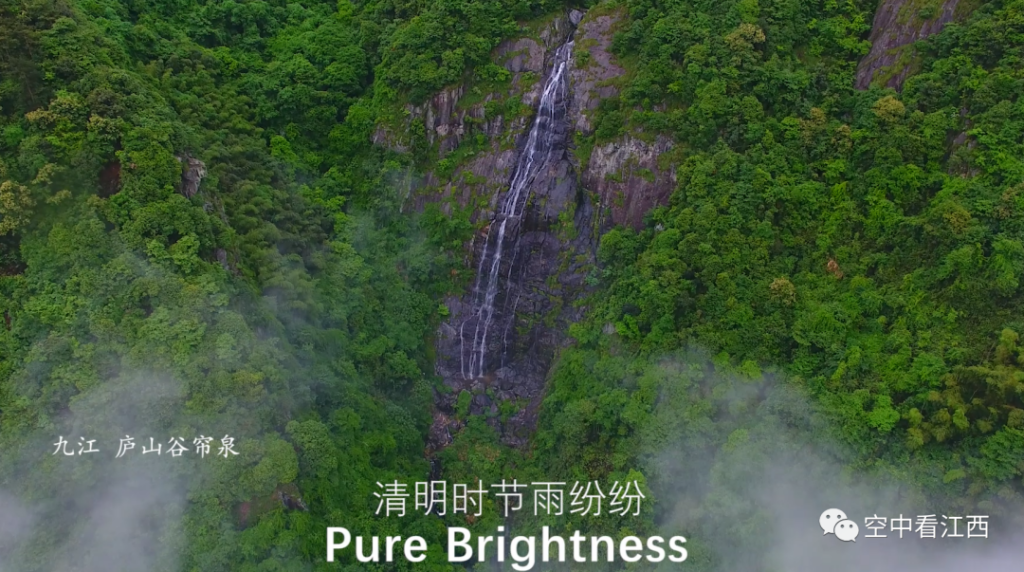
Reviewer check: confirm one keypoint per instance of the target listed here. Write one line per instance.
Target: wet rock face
(543, 272)
(626, 176)
(443, 122)
(447, 121)
(625, 173)
(897, 25)
(594, 69)
(546, 249)
(487, 174)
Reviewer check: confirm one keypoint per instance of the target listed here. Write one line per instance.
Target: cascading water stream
(534, 157)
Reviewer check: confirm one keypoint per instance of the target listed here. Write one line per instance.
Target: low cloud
(750, 500)
(96, 512)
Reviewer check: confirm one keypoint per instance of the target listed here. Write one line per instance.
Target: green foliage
(462, 404)
(437, 46)
(849, 256)
(864, 246)
(289, 302)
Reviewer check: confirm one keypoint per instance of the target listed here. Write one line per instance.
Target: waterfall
(535, 155)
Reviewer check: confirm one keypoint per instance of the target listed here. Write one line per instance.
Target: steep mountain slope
(742, 262)
(898, 24)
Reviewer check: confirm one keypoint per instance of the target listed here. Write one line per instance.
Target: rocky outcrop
(595, 70)
(625, 174)
(897, 25)
(449, 118)
(444, 123)
(548, 250)
(962, 149)
(192, 173)
(544, 256)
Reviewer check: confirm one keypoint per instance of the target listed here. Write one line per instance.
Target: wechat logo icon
(834, 521)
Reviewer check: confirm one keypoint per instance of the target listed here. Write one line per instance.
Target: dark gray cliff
(897, 25)
(453, 115)
(531, 255)
(626, 174)
(538, 257)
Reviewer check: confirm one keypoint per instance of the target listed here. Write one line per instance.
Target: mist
(131, 513)
(752, 500)
(115, 513)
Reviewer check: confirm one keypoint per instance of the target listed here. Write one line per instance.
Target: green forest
(200, 237)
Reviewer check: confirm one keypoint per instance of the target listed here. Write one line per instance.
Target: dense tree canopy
(846, 262)
(863, 246)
